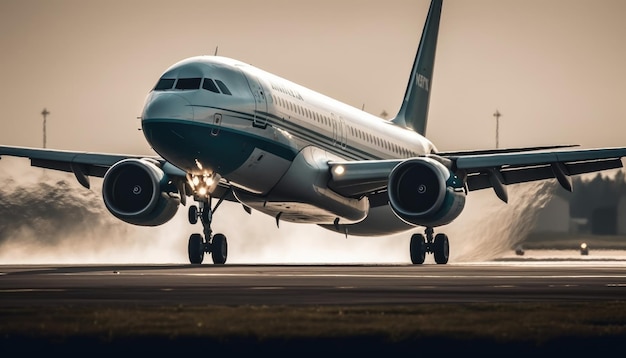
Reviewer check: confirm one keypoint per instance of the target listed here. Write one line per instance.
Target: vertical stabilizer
(414, 111)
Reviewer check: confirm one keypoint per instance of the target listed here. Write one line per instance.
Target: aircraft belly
(260, 172)
(302, 195)
(289, 211)
(379, 221)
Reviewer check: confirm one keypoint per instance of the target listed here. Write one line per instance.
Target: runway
(513, 280)
(517, 304)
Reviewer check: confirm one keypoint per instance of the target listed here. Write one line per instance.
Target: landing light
(339, 170)
(203, 185)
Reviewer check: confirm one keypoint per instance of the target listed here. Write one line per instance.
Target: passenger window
(164, 84)
(209, 85)
(188, 83)
(223, 87)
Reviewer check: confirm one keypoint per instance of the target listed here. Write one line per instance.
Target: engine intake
(422, 191)
(138, 192)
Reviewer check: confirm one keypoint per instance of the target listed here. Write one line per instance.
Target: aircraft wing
(483, 169)
(82, 164)
(524, 167)
(85, 164)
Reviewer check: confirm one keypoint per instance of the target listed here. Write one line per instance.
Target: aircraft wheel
(193, 214)
(442, 249)
(219, 249)
(196, 249)
(418, 249)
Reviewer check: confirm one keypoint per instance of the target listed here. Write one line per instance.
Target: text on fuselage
(286, 90)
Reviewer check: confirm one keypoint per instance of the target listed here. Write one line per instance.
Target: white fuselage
(270, 139)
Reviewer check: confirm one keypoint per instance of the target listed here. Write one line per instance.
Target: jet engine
(138, 192)
(424, 192)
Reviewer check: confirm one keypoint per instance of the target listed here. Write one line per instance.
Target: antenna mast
(497, 114)
(45, 114)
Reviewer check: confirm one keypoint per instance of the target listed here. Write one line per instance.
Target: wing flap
(86, 169)
(480, 180)
(524, 159)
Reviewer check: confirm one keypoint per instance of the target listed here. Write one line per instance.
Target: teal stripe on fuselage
(183, 142)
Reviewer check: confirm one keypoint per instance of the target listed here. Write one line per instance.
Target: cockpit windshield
(195, 83)
(209, 85)
(188, 83)
(164, 84)
(223, 87)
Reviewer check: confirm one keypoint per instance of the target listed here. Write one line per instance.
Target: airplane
(224, 130)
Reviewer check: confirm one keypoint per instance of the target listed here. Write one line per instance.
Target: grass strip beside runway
(443, 328)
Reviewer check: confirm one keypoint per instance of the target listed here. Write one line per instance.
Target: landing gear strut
(420, 246)
(214, 244)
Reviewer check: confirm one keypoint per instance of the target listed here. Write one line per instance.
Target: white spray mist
(489, 228)
(47, 217)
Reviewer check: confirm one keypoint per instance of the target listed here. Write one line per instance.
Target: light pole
(45, 114)
(497, 114)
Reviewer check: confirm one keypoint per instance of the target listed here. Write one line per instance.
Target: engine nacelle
(422, 191)
(138, 192)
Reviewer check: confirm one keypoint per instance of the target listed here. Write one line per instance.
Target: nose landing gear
(216, 244)
(420, 246)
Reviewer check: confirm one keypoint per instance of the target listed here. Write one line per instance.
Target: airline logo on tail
(423, 82)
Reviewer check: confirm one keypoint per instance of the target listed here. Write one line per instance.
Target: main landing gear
(214, 244)
(439, 246)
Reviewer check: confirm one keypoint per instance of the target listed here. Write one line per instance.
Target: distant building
(604, 220)
(600, 210)
(579, 226)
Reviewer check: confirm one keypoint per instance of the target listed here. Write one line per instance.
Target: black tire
(196, 249)
(219, 249)
(193, 214)
(418, 249)
(442, 249)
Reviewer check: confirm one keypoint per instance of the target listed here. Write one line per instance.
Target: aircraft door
(339, 130)
(342, 133)
(260, 102)
(333, 124)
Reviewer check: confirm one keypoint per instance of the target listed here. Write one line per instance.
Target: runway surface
(564, 305)
(509, 280)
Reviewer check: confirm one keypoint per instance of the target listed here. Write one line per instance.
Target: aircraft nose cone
(167, 106)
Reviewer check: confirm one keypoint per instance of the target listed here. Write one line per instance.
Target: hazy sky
(554, 68)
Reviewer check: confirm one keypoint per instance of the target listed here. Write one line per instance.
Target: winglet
(413, 113)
